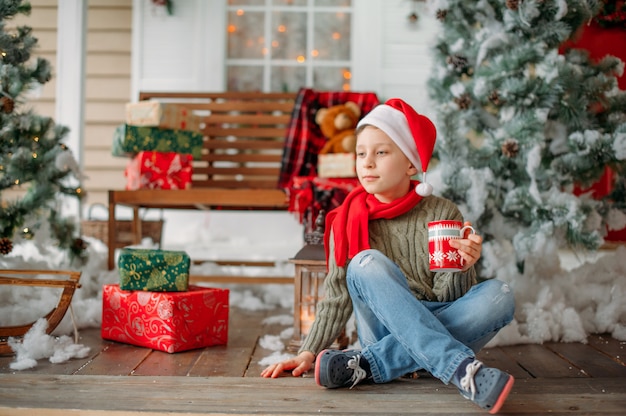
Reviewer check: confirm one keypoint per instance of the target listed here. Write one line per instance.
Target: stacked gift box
(161, 140)
(154, 306)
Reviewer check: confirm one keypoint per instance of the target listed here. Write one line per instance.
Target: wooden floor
(119, 379)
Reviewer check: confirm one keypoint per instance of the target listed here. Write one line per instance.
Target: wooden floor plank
(159, 362)
(609, 346)
(498, 358)
(245, 329)
(541, 362)
(297, 396)
(588, 359)
(115, 359)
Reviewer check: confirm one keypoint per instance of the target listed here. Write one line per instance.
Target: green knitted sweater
(404, 240)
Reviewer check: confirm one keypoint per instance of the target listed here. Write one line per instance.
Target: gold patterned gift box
(130, 140)
(165, 115)
(153, 270)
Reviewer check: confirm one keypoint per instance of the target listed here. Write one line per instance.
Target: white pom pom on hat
(413, 133)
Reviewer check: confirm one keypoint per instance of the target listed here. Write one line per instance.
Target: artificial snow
(37, 345)
(564, 298)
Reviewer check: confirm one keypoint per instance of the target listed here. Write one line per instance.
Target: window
(283, 45)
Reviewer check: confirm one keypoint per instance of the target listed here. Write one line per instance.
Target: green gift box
(154, 270)
(130, 140)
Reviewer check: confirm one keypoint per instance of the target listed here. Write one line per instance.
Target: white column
(70, 80)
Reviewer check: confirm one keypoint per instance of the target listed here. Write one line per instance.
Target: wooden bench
(244, 134)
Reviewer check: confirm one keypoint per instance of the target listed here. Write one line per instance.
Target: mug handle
(467, 227)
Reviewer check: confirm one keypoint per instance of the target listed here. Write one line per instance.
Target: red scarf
(349, 221)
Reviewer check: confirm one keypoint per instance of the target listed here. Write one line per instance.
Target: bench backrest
(244, 135)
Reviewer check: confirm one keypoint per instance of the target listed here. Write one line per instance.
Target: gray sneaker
(487, 387)
(340, 368)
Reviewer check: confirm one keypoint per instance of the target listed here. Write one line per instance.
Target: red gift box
(165, 321)
(159, 170)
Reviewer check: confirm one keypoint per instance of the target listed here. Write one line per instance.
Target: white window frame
(207, 47)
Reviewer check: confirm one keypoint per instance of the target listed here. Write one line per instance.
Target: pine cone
(510, 148)
(7, 105)
(513, 4)
(459, 63)
(80, 244)
(441, 14)
(464, 101)
(6, 246)
(494, 97)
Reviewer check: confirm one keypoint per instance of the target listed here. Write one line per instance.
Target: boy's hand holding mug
(452, 246)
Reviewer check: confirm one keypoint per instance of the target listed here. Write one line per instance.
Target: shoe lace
(358, 373)
(467, 382)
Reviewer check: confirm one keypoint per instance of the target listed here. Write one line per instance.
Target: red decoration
(166, 321)
(308, 195)
(159, 170)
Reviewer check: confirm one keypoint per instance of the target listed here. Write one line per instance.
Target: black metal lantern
(310, 272)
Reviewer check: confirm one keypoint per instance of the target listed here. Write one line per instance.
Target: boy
(408, 318)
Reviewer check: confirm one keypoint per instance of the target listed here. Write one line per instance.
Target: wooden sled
(54, 316)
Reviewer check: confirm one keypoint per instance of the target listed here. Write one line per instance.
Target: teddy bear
(337, 124)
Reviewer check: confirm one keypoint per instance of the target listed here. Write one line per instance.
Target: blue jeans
(401, 334)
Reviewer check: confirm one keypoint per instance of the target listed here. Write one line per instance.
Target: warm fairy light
(17, 182)
(315, 53)
(79, 191)
(275, 44)
(345, 87)
(232, 28)
(36, 139)
(34, 155)
(300, 59)
(347, 74)
(282, 28)
(336, 35)
(240, 12)
(264, 51)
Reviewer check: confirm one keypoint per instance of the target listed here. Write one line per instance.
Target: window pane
(245, 35)
(289, 31)
(331, 36)
(287, 79)
(245, 78)
(336, 3)
(333, 79)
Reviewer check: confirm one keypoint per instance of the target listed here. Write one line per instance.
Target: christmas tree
(36, 168)
(520, 125)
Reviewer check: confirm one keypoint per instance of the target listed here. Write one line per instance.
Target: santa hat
(413, 133)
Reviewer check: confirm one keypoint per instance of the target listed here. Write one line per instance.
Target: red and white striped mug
(442, 257)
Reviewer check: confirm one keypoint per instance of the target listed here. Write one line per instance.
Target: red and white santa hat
(413, 133)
